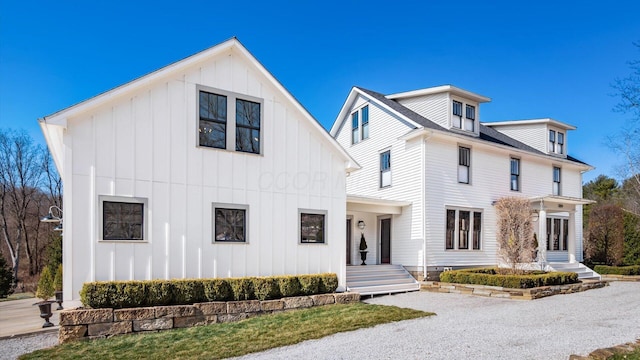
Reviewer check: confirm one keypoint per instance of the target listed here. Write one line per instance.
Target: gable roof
(487, 133)
(52, 125)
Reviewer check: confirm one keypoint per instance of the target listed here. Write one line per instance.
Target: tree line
(29, 185)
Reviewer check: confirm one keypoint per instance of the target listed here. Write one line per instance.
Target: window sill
(229, 151)
(124, 241)
(312, 243)
(230, 242)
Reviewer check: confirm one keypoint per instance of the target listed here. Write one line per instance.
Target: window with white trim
(560, 146)
(470, 118)
(515, 174)
(230, 223)
(557, 234)
(557, 177)
(216, 126)
(385, 169)
(123, 218)
(464, 164)
(355, 126)
(457, 114)
(463, 229)
(365, 122)
(552, 141)
(313, 226)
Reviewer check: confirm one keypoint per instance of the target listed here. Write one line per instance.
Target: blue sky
(540, 59)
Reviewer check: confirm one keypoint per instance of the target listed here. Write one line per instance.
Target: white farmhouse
(431, 172)
(205, 168)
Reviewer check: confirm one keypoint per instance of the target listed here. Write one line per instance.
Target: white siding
(384, 132)
(534, 135)
(434, 107)
(145, 145)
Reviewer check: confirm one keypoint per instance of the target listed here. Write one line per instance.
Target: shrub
(491, 278)
(266, 288)
(6, 278)
(128, 294)
(189, 291)
(217, 290)
(57, 280)
(617, 270)
(289, 286)
(45, 285)
(328, 283)
(309, 284)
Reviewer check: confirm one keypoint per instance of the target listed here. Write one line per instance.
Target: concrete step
(380, 279)
(385, 289)
(373, 282)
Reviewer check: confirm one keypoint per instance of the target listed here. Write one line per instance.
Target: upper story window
(470, 118)
(515, 174)
(464, 164)
(560, 146)
(247, 126)
(457, 108)
(463, 229)
(556, 181)
(212, 131)
(230, 223)
(365, 122)
(385, 169)
(556, 142)
(355, 125)
(217, 128)
(123, 218)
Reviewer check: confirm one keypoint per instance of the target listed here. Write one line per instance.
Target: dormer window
(470, 118)
(556, 142)
(457, 108)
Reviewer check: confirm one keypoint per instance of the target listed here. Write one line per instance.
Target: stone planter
(45, 312)
(59, 300)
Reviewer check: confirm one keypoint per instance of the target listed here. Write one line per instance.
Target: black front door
(385, 240)
(348, 241)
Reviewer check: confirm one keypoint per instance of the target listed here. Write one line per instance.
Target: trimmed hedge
(617, 270)
(491, 278)
(128, 294)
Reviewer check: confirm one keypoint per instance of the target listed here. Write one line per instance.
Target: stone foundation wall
(517, 294)
(78, 324)
(611, 277)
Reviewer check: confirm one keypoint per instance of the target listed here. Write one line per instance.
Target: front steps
(380, 279)
(584, 273)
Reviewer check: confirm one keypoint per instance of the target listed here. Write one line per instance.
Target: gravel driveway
(466, 327)
(472, 327)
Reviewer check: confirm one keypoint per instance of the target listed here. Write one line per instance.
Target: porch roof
(558, 202)
(375, 205)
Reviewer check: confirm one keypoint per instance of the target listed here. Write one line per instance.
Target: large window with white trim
(355, 126)
(464, 164)
(515, 174)
(463, 229)
(557, 177)
(385, 169)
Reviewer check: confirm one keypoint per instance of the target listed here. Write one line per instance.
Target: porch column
(571, 237)
(542, 238)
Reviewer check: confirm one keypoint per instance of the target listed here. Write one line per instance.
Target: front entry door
(348, 241)
(385, 241)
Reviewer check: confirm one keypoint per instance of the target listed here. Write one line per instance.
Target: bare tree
(605, 238)
(20, 175)
(514, 231)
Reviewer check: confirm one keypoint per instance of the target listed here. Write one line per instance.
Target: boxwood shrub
(617, 270)
(491, 277)
(128, 294)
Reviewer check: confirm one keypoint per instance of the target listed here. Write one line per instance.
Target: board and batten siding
(385, 130)
(145, 145)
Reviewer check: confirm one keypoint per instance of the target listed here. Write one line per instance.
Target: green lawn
(234, 339)
(635, 355)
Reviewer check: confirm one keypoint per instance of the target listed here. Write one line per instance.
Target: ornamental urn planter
(59, 300)
(363, 257)
(45, 312)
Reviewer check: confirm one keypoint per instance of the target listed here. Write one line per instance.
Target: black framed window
(451, 230)
(312, 228)
(556, 181)
(355, 126)
(552, 141)
(515, 174)
(477, 230)
(122, 220)
(464, 164)
(463, 228)
(560, 147)
(212, 130)
(247, 126)
(385, 169)
(457, 108)
(365, 122)
(230, 224)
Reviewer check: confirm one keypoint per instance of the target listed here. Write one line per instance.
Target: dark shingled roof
(487, 133)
